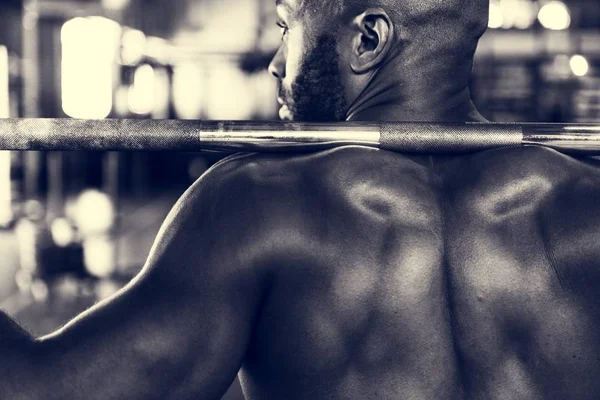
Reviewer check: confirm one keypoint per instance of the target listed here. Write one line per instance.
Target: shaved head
(431, 19)
(418, 53)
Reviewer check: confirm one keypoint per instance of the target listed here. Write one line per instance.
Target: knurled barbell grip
(107, 134)
(448, 138)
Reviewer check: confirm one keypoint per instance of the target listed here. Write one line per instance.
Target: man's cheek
(295, 51)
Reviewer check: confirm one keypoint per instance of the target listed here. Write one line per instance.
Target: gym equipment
(282, 136)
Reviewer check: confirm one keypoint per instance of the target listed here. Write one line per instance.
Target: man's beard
(317, 94)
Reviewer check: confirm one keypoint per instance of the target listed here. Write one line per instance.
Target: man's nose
(277, 66)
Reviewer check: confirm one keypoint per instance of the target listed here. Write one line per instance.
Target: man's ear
(373, 33)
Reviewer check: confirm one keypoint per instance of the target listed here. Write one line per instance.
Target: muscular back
(523, 253)
(422, 277)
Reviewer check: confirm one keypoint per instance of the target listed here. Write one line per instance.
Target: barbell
(192, 135)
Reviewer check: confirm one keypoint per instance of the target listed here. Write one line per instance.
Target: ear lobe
(372, 41)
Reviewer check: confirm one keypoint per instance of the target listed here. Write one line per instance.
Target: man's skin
(354, 273)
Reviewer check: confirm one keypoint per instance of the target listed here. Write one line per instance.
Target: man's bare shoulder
(490, 183)
(262, 168)
(287, 203)
(531, 200)
(502, 166)
(282, 191)
(290, 183)
(501, 183)
(522, 228)
(384, 245)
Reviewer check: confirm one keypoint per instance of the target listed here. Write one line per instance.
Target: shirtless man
(353, 273)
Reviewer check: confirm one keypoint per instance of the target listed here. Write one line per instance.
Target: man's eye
(284, 29)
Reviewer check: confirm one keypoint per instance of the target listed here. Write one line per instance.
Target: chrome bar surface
(575, 139)
(286, 136)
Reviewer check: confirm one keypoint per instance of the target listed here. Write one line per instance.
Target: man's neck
(424, 96)
(462, 112)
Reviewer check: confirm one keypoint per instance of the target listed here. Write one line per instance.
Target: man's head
(340, 55)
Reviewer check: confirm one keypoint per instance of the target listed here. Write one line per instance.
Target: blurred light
(23, 279)
(62, 231)
(496, 19)
(188, 90)
(99, 256)
(115, 5)
(71, 207)
(159, 49)
(162, 87)
(34, 210)
(39, 290)
(94, 212)
(88, 54)
(230, 93)
(508, 14)
(67, 287)
(26, 231)
(561, 68)
(141, 92)
(265, 95)
(510, 8)
(224, 26)
(555, 16)
(525, 14)
(133, 46)
(121, 105)
(106, 288)
(30, 19)
(579, 65)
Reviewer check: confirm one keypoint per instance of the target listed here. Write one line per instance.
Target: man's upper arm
(180, 329)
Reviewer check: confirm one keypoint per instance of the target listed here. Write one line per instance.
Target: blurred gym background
(76, 226)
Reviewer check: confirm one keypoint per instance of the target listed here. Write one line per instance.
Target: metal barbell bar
(189, 135)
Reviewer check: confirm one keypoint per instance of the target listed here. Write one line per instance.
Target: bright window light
(94, 212)
(133, 46)
(141, 93)
(508, 14)
(525, 15)
(25, 231)
(555, 16)
(509, 8)
(579, 65)
(161, 94)
(88, 60)
(226, 26)
(159, 49)
(496, 19)
(188, 90)
(115, 5)
(39, 290)
(265, 93)
(99, 256)
(230, 93)
(62, 232)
